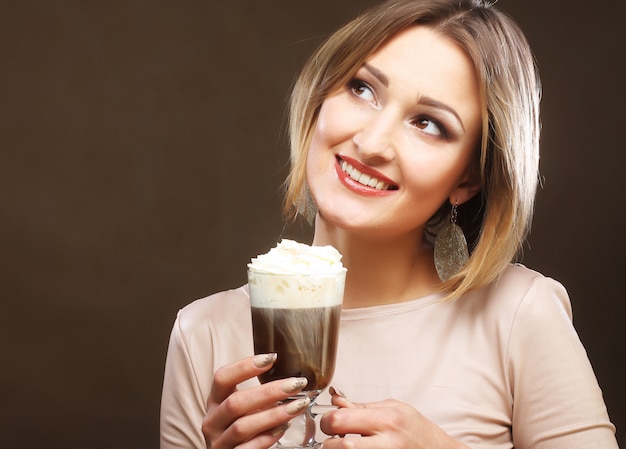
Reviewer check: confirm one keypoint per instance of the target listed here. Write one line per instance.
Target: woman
(416, 117)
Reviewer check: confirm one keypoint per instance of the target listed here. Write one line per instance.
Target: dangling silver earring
(451, 251)
(307, 207)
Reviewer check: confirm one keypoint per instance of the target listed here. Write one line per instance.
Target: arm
(201, 409)
(182, 403)
(557, 401)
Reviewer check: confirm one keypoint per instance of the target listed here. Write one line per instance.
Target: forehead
(421, 61)
(421, 51)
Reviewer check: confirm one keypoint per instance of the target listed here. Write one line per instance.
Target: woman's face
(395, 143)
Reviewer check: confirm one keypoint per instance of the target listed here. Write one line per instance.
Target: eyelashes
(423, 122)
(430, 126)
(361, 90)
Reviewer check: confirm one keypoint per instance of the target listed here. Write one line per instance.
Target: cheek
(318, 142)
(316, 159)
(434, 177)
(316, 148)
(336, 121)
(326, 135)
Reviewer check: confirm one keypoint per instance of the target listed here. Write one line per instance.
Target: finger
(359, 419)
(262, 426)
(356, 441)
(341, 443)
(367, 419)
(266, 439)
(253, 400)
(226, 378)
(338, 398)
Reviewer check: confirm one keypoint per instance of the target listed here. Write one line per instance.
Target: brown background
(142, 150)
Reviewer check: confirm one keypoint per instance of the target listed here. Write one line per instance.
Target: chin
(344, 221)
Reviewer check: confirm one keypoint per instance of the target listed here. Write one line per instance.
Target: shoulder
(520, 286)
(518, 278)
(519, 297)
(223, 307)
(215, 330)
(227, 301)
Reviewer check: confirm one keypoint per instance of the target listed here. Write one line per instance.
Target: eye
(430, 126)
(362, 90)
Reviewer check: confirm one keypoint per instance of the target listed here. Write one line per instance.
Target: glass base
(302, 428)
(300, 435)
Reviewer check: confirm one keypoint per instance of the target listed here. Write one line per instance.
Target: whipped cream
(291, 257)
(295, 275)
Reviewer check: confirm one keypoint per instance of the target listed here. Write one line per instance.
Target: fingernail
(263, 360)
(334, 392)
(293, 385)
(278, 431)
(297, 406)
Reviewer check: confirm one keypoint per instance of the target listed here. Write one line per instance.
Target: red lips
(388, 186)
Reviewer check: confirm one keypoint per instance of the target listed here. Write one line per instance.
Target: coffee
(296, 293)
(305, 340)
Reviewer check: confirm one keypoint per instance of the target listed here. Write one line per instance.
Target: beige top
(500, 367)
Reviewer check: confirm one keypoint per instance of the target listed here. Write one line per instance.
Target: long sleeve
(207, 334)
(557, 401)
(182, 407)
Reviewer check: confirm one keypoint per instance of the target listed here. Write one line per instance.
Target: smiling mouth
(364, 179)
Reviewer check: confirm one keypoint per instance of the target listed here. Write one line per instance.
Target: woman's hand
(251, 418)
(389, 423)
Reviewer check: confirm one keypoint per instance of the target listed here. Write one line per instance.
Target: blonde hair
(496, 221)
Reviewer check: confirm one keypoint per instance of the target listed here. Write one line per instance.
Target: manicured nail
(334, 392)
(297, 406)
(263, 360)
(278, 431)
(293, 385)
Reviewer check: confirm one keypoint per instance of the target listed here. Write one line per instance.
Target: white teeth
(362, 178)
(355, 174)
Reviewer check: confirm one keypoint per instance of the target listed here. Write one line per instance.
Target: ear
(469, 186)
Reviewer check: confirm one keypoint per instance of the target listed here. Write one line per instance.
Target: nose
(375, 140)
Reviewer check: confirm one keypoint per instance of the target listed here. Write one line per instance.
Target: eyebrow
(378, 74)
(423, 99)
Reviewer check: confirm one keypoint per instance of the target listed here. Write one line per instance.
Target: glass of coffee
(295, 314)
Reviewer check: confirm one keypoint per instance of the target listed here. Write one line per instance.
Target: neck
(381, 270)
